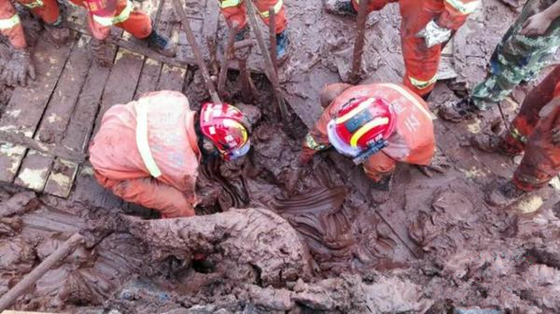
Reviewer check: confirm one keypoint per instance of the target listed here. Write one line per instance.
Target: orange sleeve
(150, 193)
(8, 16)
(456, 13)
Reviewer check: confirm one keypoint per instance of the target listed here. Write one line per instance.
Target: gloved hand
(15, 72)
(556, 136)
(439, 164)
(434, 34)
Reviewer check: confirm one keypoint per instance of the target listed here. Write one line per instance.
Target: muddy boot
(57, 32)
(282, 45)
(381, 190)
(489, 143)
(101, 52)
(340, 7)
(457, 112)
(162, 44)
(505, 195)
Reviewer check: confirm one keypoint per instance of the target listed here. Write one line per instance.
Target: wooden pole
(224, 66)
(272, 38)
(359, 42)
(269, 68)
(30, 279)
(196, 50)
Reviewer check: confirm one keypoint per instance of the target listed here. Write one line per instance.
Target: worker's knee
(330, 92)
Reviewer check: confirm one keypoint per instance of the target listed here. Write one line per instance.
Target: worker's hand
(536, 25)
(556, 136)
(434, 34)
(305, 156)
(438, 164)
(15, 72)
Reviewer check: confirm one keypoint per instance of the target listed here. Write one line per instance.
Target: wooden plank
(61, 178)
(149, 78)
(34, 171)
(80, 126)
(172, 78)
(52, 127)
(27, 105)
(121, 83)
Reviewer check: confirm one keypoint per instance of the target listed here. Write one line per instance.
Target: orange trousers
(47, 10)
(238, 13)
(533, 134)
(138, 23)
(421, 62)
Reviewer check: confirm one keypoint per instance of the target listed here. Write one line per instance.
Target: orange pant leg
(138, 24)
(15, 33)
(541, 161)
(236, 14)
(49, 12)
(264, 5)
(150, 193)
(379, 166)
(526, 120)
(421, 63)
(374, 5)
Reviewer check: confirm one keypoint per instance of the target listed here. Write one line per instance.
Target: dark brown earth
(273, 237)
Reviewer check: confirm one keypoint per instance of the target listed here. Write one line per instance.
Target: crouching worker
(148, 151)
(376, 125)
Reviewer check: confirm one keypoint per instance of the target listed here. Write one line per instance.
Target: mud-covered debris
(242, 243)
(18, 204)
(475, 311)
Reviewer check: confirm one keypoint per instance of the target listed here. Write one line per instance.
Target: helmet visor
(239, 152)
(338, 143)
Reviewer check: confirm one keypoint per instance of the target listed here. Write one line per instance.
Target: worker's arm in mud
(317, 139)
(10, 25)
(456, 13)
(539, 23)
(150, 193)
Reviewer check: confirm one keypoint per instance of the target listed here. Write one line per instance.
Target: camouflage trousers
(517, 58)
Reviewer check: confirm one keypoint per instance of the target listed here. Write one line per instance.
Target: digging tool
(359, 42)
(30, 279)
(272, 38)
(269, 69)
(227, 53)
(196, 50)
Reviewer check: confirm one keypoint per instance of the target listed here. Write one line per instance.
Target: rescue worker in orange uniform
(235, 14)
(426, 25)
(536, 131)
(103, 14)
(376, 125)
(148, 151)
(15, 71)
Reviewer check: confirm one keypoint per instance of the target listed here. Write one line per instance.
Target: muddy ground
(277, 238)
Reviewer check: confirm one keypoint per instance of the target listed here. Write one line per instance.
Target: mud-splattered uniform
(235, 11)
(413, 141)
(146, 152)
(421, 62)
(120, 13)
(517, 57)
(10, 24)
(532, 133)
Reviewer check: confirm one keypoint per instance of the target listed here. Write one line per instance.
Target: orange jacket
(122, 161)
(10, 25)
(413, 141)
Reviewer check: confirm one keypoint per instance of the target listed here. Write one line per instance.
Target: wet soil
(273, 237)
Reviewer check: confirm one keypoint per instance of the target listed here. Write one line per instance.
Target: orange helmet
(361, 125)
(226, 126)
